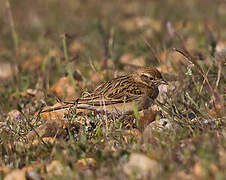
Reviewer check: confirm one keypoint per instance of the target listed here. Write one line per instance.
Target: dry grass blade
(217, 99)
(152, 50)
(31, 126)
(12, 24)
(218, 75)
(212, 37)
(57, 108)
(192, 59)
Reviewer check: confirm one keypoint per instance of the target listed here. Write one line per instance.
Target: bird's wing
(118, 90)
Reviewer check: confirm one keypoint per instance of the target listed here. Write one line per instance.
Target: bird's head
(149, 76)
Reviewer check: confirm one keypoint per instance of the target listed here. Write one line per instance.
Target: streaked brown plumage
(119, 94)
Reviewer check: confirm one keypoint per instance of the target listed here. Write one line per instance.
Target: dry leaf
(56, 114)
(45, 139)
(86, 162)
(199, 170)
(75, 46)
(131, 133)
(4, 169)
(98, 77)
(16, 175)
(32, 64)
(64, 87)
(217, 111)
(213, 168)
(55, 168)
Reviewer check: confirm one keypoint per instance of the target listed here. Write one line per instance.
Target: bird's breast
(153, 92)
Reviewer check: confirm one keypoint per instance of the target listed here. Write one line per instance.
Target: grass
(54, 40)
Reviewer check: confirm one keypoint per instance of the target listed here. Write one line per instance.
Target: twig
(64, 41)
(56, 108)
(193, 60)
(184, 54)
(12, 24)
(15, 132)
(204, 81)
(218, 74)
(104, 38)
(152, 50)
(31, 126)
(92, 65)
(212, 37)
(190, 107)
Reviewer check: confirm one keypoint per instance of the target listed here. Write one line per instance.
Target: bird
(121, 93)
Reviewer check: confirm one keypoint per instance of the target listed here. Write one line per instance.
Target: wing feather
(118, 90)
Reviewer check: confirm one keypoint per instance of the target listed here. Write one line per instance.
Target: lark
(121, 94)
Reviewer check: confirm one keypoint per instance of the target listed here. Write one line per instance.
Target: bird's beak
(162, 81)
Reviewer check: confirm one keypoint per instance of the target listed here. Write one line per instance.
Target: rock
(32, 175)
(160, 125)
(142, 167)
(7, 71)
(163, 89)
(220, 52)
(163, 125)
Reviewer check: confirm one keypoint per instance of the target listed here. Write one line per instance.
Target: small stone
(163, 89)
(32, 175)
(161, 124)
(142, 166)
(220, 49)
(7, 71)
(158, 126)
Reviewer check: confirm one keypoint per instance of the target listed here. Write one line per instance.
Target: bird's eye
(151, 78)
(145, 78)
